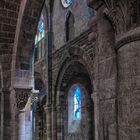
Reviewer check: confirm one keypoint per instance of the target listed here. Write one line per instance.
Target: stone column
(1, 114)
(59, 122)
(14, 115)
(48, 110)
(9, 119)
(60, 106)
(54, 123)
(95, 99)
(126, 23)
(1, 103)
(105, 74)
(129, 85)
(34, 101)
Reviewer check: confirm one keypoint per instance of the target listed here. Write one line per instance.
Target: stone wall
(111, 59)
(79, 50)
(118, 71)
(129, 91)
(81, 13)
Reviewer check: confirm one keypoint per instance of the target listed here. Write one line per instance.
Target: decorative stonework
(79, 49)
(34, 96)
(22, 98)
(133, 35)
(124, 14)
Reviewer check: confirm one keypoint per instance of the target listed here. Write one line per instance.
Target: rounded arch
(25, 32)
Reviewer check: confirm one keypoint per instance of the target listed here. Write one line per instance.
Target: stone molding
(78, 50)
(131, 36)
(77, 40)
(124, 14)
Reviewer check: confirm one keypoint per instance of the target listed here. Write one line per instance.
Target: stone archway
(25, 33)
(73, 72)
(22, 55)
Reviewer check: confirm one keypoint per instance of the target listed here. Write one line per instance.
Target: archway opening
(77, 105)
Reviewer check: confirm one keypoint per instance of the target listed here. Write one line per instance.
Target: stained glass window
(77, 104)
(68, 1)
(41, 24)
(40, 30)
(39, 39)
(74, 108)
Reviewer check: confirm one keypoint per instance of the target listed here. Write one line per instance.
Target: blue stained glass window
(68, 1)
(40, 30)
(41, 24)
(77, 103)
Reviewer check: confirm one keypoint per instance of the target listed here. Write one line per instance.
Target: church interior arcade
(69, 70)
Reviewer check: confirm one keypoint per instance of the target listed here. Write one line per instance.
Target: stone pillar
(34, 100)
(59, 122)
(1, 103)
(129, 85)
(1, 113)
(48, 110)
(54, 123)
(105, 74)
(9, 119)
(14, 115)
(126, 23)
(95, 99)
(23, 114)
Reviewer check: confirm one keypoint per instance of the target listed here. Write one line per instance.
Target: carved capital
(124, 14)
(34, 96)
(22, 96)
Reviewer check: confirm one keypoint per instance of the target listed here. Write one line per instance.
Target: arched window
(69, 27)
(39, 39)
(68, 1)
(77, 104)
(74, 109)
